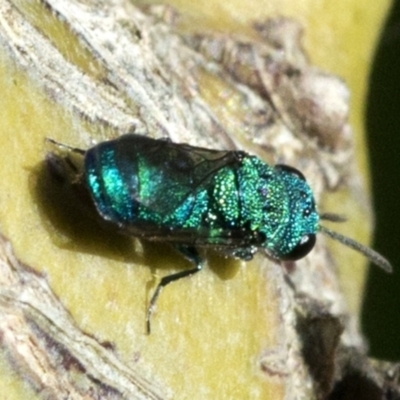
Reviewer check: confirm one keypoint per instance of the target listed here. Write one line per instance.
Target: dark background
(381, 312)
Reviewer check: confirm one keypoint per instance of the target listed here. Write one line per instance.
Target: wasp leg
(190, 253)
(63, 147)
(66, 163)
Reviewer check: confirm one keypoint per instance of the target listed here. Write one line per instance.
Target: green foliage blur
(381, 310)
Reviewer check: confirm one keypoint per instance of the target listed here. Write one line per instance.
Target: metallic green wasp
(193, 197)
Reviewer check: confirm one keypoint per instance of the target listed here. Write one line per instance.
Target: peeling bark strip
(37, 333)
(62, 80)
(148, 81)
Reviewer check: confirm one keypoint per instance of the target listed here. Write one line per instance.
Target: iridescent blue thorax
(278, 203)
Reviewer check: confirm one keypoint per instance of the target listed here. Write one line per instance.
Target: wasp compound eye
(305, 245)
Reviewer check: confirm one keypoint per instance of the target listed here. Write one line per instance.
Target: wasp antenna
(372, 255)
(333, 217)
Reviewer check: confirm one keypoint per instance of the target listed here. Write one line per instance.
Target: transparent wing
(161, 175)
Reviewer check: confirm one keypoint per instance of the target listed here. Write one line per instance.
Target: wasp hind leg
(191, 254)
(66, 163)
